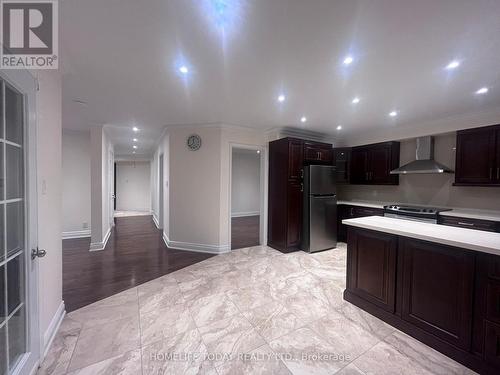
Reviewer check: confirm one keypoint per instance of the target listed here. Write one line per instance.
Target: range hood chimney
(425, 162)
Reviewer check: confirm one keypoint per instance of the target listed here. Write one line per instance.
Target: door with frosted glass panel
(14, 255)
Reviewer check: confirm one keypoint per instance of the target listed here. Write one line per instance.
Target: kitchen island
(439, 284)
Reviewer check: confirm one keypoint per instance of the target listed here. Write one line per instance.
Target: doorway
(19, 332)
(246, 197)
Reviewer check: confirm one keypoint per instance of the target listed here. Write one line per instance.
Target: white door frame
(161, 179)
(25, 83)
(111, 188)
(263, 188)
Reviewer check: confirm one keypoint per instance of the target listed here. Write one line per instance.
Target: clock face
(194, 142)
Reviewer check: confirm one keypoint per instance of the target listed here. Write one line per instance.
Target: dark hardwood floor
(244, 231)
(135, 253)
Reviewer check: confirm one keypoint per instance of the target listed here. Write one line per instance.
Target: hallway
(135, 254)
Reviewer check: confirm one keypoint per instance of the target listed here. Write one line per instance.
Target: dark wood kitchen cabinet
(318, 153)
(371, 264)
(350, 212)
(437, 289)
(478, 157)
(342, 162)
(287, 158)
(445, 297)
(371, 164)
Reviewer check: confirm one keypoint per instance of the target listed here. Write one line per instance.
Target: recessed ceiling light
(258, 151)
(393, 113)
(184, 69)
(356, 100)
(135, 147)
(303, 119)
(135, 128)
(482, 90)
(339, 127)
(281, 98)
(348, 60)
(453, 65)
(135, 139)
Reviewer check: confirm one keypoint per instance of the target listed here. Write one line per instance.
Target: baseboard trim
(98, 246)
(155, 220)
(244, 214)
(195, 247)
(50, 333)
(76, 234)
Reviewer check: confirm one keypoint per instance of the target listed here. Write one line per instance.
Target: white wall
(101, 163)
(436, 189)
(162, 149)
(133, 186)
(49, 126)
(245, 184)
(76, 183)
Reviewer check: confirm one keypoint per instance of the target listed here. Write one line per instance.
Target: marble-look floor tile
(427, 357)
(204, 287)
(212, 308)
(273, 320)
(181, 354)
(157, 295)
(230, 337)
(59, 356)
(306, 352)
(308, 306)
(384, 359)
(119, 306)
(345, 337)
(277, 288)
(126, 364)
(350, 369)
(370, 323)
(108, 340)
(249, 297)
(261, 361)
(169, 322)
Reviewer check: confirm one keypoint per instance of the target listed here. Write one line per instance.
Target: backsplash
(434, 190)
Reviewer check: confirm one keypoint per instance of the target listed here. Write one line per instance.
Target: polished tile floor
(251, 311)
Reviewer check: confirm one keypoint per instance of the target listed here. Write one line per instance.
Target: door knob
(40, 253)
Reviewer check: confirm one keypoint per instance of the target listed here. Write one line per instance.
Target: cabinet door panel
(475, 156)
(492, 344)
(497, 164)
(295, 159)
(294, 214)
(437, 290)
(359, 166)
(380, 165)
(372, 267)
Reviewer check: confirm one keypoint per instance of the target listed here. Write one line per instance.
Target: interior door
(19, 335)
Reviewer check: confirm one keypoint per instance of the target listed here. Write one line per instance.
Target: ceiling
(122, 58)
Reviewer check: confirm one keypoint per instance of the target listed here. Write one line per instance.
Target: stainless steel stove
(415, 213)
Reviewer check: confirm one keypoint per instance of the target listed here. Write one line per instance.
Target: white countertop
(473, 214)
(456, 212)
(471, 239)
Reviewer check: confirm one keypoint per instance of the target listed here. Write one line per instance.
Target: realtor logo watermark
(29, 34)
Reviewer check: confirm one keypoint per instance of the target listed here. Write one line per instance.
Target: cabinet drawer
(492, 343)
(367, 211)
(489, 226)
(493, 301)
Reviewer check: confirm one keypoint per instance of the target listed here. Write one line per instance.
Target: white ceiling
(122, 58)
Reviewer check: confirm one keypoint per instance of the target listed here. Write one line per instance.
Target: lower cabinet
(371, 263)
(437, 289)
(446, 297)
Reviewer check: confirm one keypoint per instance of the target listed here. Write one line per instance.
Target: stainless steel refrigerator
(320, 208)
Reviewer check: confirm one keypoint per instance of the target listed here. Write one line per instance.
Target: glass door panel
(13, 239)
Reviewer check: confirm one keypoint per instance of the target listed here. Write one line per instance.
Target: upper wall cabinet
(318, 153)
(372, 164)
(478, 157)
(341, 160)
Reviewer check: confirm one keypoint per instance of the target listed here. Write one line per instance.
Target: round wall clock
(194, 142)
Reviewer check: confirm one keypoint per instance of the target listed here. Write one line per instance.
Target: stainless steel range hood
(425, 162)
